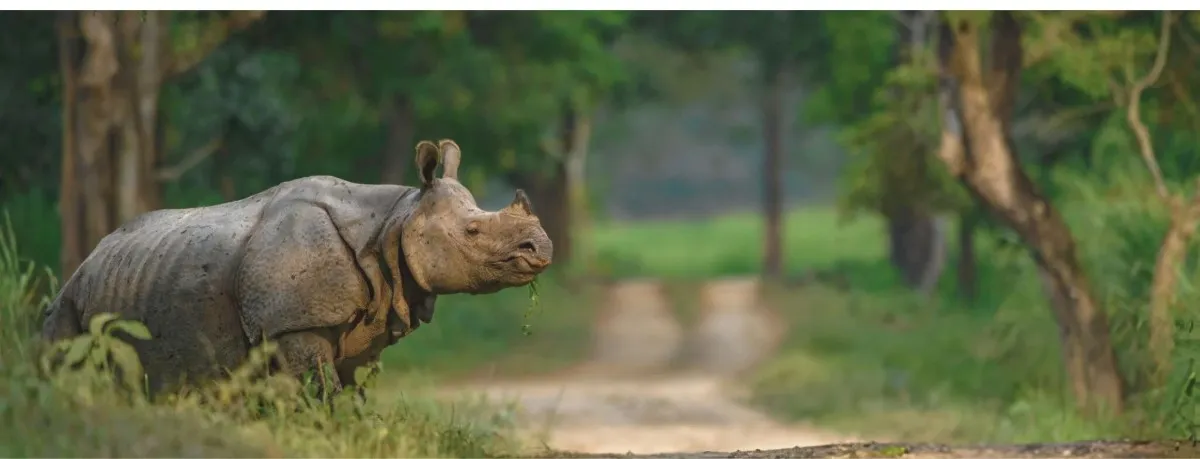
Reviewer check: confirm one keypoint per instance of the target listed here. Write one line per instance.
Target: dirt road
(700, 418)
(589, 412)
(675, 414)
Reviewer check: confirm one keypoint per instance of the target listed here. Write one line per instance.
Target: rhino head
(453, 246)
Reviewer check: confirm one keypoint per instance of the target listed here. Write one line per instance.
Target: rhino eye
(472, 230)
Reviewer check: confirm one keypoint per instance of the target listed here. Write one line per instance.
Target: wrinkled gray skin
(332, 271)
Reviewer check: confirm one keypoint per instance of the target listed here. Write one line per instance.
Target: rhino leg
(307, 350)
(347, 368)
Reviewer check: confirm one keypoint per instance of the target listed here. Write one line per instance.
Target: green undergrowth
(96, 407)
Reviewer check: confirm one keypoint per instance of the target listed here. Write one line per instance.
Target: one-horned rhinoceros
(331, 271)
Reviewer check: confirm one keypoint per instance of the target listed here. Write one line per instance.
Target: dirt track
(646, 416)
(698, 417)
(590, 412)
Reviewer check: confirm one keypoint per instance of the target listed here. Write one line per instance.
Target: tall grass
(88, 411)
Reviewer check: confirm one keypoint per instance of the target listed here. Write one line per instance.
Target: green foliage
(101, 352)
(534, 302)
(29, 95)
(846, 88)
(1111, 52)
(1123, 235)
(892, 148)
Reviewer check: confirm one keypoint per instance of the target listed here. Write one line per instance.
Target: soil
(643, 415)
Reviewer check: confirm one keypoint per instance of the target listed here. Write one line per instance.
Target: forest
(982, 220)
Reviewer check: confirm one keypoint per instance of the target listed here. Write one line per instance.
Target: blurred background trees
(1065, 140)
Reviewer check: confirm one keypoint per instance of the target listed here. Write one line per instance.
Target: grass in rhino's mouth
(527, 328)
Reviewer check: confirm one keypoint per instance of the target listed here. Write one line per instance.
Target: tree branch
(1005, 71)
(212, 36)
(950, 149)
(1133, 110)
(193, 159)
(1056, 126)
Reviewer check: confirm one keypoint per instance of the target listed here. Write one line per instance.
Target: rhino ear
(451, 155)
(427, 161)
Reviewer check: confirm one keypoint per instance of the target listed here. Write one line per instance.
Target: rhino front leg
(307, 350)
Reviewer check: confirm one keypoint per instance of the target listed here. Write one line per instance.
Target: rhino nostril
(528, 247)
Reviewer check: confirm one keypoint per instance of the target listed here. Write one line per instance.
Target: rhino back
(172, 270)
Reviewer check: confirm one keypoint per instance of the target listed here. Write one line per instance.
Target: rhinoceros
(331, 271)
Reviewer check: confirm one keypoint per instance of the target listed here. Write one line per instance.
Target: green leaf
(127, 361)
(96, 325)
(77, 351)
(133, 328)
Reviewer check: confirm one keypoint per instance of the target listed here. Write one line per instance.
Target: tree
(1116, 57)
(557, 68)
(891, 146)
(113, 67)
(780, 43)
(977, 110)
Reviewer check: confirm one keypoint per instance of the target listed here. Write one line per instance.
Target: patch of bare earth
(644, 416)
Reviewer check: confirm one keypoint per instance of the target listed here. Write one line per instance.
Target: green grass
(732, 245)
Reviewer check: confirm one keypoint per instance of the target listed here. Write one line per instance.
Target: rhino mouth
(523, 264)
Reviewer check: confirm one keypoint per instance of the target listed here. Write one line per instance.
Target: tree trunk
(773, 173)
(977, 122)
(70, 209)
(398, 150)
(916, 242)
(1166, 276)
(113, 66)
(110, 124)
(915, 236)
(574, 168)
(146, 33)
(1183, 219)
